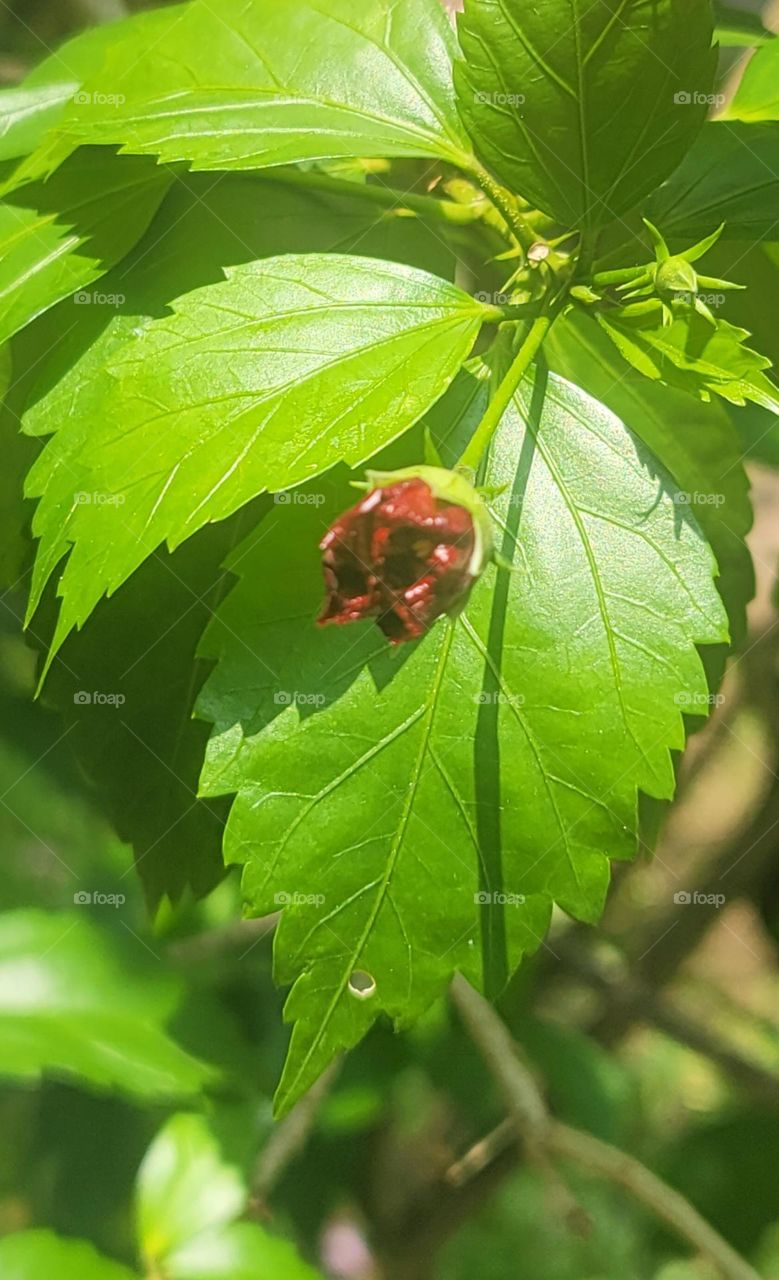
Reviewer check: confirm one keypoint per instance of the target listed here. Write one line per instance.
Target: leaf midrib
(428, 711)
(147, 112)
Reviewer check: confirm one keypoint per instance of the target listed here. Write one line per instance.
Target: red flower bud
(406, 553)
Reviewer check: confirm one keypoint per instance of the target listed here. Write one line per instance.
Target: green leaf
(241, 1251)
(729, 176)
(50, 832)
(363, 806)
(737, 28)
(755, 309)
(30, 111)
(72, 1005)
(31, 1255)
(757, 96)
(60, 236)
(758, 431)
(185, 1185)
(693, 354)
(145, 757)
(126, 686)
(38, 103)
(26, 114)
(579, 106)
(203, 227)
(254, 384)
(741, 35)
(190, 1189)
(697, 443)
(6, 371)
(17, 453)
(249, 85)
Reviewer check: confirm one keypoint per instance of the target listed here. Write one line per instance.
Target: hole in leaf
(362, 985)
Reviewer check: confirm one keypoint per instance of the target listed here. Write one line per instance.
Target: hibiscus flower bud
(407, 553)
(676, 276)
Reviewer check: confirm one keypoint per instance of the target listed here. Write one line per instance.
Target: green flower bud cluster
(671, 279)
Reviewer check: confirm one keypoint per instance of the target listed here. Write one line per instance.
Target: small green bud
(676, 276)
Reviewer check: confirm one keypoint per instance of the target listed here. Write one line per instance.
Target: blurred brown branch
(290, 1136)
(533, 1122)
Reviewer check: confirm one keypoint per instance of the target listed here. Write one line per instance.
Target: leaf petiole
(501, 198)
(379, 193)
(529, 349)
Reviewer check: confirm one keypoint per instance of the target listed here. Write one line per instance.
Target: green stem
(379, 193)
(497, 406)
(621, 276)
(520, 310)
(587, 248)
(523, 230)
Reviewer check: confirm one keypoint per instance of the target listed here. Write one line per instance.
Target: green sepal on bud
(585, 294)
(671, 280)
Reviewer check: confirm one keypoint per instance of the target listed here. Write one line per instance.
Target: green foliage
(17, 456)
(255, 384)
(240, 1251)
(696, 442)
(738, 28)
(37, 105)
(125, 693)
(30, 1255)
(188, 1199)
(319, 81)
(189, 1194)
(729, 176)
(709, 1164)
(54, 239)
(30, 115)
(59, 979)
(414, 811)
(26, 113)
(585, 125)
(757, 96)
(309, 745)
(694, 355)
(185, 1186)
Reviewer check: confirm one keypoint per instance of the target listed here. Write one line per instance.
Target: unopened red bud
(407, 553)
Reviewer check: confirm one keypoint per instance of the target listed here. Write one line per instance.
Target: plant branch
(522, 1097)
(494, 1041)
(529, 1114)
(500, 401)
(674, 933)
(663, 1201)
(289, 1137)
(235, 939)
